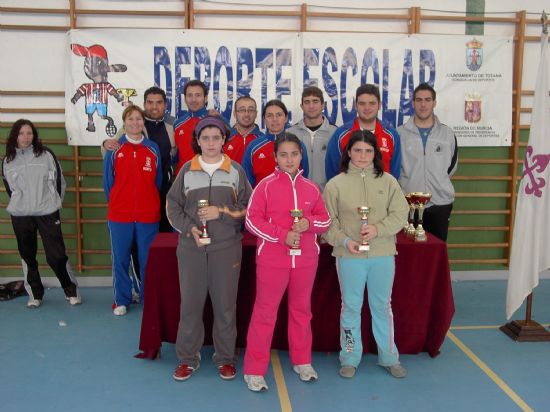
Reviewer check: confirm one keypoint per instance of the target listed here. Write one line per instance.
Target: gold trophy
(295, 248)
(421, 199)
(409, 226)
(204, 238)
(127, 92)
(364, 212)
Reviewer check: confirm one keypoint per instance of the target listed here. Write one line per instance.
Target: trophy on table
(204, 238)
(421, 199)
(364, 212)
(295, 250)
(127, 92)
(409, 226)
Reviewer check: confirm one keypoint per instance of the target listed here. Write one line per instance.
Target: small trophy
(295, 248)
(421, 199)
(364, 212)
(204, 238)
(409, 226)
(127, 93)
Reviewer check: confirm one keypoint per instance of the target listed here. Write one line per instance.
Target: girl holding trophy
(286, 212)
(206, 205)
(367, 208)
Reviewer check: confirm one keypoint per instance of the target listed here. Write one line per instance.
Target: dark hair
(369, 138)
(11, 143)
(275, 102)
(286, 137)
(241, 98)
(207, 122)
(313, 91)
(192, 83)
(154, 90)
(424, 86)
(368, 89)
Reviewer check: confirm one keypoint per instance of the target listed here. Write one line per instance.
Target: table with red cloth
(422, 299)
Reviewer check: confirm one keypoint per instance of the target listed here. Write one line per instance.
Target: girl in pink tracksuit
(268, 217)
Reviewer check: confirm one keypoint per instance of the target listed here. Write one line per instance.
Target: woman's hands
(209, 213)
(195, 231)
(369, 232)
(292, 238)
(301, 226)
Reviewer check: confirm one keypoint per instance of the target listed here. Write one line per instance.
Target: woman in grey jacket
(362, 182)
(210, 192)
(36, 186)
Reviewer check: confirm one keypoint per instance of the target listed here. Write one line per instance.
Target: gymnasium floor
(63, 358)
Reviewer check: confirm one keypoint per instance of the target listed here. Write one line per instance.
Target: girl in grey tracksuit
(36, 186)
(213, 268)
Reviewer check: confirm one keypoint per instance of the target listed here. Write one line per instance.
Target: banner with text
(108, 68)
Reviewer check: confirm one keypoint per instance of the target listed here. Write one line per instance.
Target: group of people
(225, 177)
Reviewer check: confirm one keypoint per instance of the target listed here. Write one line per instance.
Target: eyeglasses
(243, 111)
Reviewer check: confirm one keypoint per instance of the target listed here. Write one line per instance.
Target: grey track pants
(216, 273)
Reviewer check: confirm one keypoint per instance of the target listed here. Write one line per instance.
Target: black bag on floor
(12, 290)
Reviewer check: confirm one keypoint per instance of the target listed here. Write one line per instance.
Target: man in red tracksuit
(367, 104)
(245, 131)
(196, 98)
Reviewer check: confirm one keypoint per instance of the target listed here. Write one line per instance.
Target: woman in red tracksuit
(279, 266)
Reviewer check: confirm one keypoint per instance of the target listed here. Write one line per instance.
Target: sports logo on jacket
(147, 166)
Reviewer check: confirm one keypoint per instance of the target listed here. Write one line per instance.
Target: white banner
(108, 67)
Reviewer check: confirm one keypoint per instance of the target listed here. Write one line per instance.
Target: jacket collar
(280, 173)
(271, 137)
(255, 132)
(352, 169)
(377, 128)
(196, 165)
(199, 113)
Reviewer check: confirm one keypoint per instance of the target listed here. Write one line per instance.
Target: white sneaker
(397, 370)
(306, 372)
(120, 310)
(135, 297)
(74, 300)
(33, 303)
(256, 383)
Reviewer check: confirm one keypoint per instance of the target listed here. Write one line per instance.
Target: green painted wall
(95, 235)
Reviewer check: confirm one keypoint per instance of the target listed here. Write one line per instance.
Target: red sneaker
(227, 371)
(183, 372)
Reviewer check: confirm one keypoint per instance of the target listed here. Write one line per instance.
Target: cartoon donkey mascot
(96, 68)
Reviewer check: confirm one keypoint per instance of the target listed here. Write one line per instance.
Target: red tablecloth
(422, 299)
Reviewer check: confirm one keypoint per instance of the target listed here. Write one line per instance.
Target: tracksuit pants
(377, 275)
(123, 235)
(271, 284)
(216, 273)
(49, 227)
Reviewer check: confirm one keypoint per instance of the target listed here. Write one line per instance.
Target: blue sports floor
(63, 358)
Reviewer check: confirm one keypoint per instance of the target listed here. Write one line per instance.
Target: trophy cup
(127, 93)
(295, 248)
(204, 239)
(409, 226)
(421, 199)
(364, 212)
